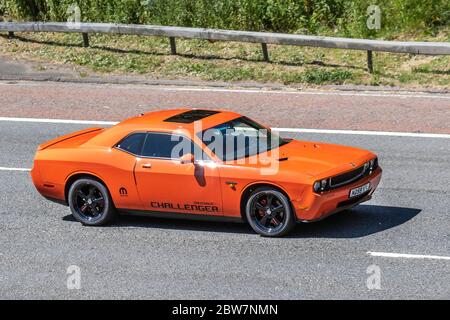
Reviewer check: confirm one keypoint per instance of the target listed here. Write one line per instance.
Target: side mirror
(187, 158)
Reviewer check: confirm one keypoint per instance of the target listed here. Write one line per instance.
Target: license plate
(360, 190)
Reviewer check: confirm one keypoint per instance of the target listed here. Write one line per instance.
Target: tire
(90, 202)
(269, 212)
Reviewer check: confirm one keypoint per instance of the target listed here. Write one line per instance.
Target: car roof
(190, 121)
(173, 119)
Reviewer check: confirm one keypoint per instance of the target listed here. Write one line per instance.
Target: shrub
(303, 16)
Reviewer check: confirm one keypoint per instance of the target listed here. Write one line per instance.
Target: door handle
(147, 165)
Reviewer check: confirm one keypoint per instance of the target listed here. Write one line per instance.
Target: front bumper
(312, 206)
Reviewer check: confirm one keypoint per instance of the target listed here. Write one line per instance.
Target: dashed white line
(293, 130)
(368, 133)
(61, 121)
(406, 256)
(14, 169)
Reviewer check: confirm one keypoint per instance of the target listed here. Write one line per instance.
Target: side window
(170, 146)
(160, 145)
(132, 143)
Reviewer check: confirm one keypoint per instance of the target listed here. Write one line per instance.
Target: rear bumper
(51, 191)
(313, 207)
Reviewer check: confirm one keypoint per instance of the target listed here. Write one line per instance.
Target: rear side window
(132, 143)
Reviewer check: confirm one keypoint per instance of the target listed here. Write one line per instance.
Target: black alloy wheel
(269, 212)
(90, 202)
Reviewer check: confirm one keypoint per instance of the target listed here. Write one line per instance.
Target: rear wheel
(269, 212)
(90, 202)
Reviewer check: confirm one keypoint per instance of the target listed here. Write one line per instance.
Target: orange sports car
(202, 164)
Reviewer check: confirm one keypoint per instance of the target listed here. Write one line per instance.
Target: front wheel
(269, 212)
(90, 202)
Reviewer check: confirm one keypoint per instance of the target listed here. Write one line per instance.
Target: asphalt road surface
(410, 112)
(140, 257)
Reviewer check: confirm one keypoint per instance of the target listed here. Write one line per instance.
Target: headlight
(373, 164)
(316, 186)
(321, 185)
(366, 166)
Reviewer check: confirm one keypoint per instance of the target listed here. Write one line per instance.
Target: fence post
(173, 45)
(85, 40)
(265, 51)
(10, 34)
(369, 61)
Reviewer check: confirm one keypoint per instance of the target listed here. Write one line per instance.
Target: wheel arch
(246, 192)
(78, 175)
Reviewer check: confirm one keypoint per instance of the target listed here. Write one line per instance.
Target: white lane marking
(14, 169)
(381, 94)
(406, 256)
(368, 133)
(293, 130)
(64, 121)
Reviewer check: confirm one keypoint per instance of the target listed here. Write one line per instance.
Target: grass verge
(225, 61)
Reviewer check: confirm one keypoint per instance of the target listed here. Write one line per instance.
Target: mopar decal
(203, 207)
(123, 192)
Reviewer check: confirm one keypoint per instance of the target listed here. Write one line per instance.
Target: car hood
(321, 159)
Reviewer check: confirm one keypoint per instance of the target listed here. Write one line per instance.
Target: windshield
(240, 138)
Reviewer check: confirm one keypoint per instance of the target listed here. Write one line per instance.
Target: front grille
(353, 200)
(348, 177)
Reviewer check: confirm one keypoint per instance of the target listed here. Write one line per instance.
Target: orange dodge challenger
(202, 164)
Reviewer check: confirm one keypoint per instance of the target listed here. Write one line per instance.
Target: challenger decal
(187, 207)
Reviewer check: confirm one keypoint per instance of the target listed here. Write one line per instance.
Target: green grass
(225, 61)
(325, 17)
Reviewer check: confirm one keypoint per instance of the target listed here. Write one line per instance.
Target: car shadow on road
(360, 221)
(131, 221)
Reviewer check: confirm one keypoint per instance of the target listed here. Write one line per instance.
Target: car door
(166, 184)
